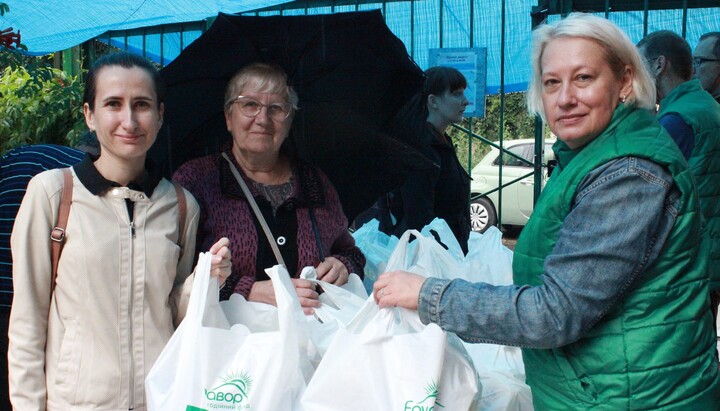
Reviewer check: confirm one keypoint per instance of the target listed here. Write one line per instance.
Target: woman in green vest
(611, 301)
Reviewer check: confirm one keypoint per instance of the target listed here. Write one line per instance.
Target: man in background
(706, 61)
(692, 117)
(669, 59)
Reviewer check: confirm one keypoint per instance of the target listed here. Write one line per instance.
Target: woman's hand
(332, 271)
(263, 292)
(221, 263)
(398, 289)
(307, 295)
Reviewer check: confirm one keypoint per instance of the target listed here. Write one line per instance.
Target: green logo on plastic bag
(231, 393)
(429, 403)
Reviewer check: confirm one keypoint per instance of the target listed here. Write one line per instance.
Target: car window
(522, 150)
(526, 151)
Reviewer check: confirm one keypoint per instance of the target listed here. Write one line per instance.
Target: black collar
(439, 139)
(91, 178)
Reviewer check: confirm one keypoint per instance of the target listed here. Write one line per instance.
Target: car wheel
(482, 215)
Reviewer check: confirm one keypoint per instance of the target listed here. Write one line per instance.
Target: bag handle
(57, 234)
(256, 209)
(200, 290)
(291, 319)
(398, 257)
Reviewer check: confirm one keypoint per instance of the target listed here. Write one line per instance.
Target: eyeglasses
(697, 61)
(251, 108)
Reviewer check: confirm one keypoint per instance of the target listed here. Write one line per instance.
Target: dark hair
(441, 79)
(126, 60)
(409, 123)
(675, 49)
(713, 35)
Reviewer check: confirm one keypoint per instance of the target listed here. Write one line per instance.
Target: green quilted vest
(655, 348)
(702, 113)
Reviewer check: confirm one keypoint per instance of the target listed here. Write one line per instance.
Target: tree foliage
(517, 124)
(38, 103)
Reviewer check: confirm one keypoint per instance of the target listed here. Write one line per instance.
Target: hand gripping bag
(211, 364)
(337, 303)
(338, 306)
(386, 359)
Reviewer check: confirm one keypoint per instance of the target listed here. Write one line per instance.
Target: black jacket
(442, 191)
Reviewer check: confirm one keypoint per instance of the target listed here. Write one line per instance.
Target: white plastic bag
(439, 229)
(487, 260)
(501, 368)
(209, 365)
(387, 359)
(423, 256)
(338, 303)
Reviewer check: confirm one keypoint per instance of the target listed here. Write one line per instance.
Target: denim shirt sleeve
(622, 214)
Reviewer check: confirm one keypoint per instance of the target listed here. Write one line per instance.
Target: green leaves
(517, 124)
(38, 104)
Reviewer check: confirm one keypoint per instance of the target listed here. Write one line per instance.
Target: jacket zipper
(131, 363)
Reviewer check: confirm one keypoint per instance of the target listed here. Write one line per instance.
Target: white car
(517, 198)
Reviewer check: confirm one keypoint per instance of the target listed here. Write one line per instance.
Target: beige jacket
(116, 301)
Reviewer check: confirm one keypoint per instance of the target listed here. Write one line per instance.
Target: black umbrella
(352, 76)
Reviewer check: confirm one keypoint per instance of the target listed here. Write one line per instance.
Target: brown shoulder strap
(57, 235)
(182, 205)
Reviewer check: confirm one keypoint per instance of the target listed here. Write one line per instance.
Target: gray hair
(618, 49)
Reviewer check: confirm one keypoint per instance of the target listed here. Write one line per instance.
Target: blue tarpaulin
(47, 26)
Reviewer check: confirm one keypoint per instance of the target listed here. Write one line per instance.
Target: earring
(623, 99)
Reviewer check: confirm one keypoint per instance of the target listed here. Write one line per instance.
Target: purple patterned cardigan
(224, 211)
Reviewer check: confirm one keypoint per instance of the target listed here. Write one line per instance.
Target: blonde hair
(260, 78)
(618, 49)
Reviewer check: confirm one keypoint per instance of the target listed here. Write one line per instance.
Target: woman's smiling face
(126, 116)
(580, 91)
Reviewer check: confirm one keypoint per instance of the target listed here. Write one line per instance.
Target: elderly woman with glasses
(299, 204)
(611, 298)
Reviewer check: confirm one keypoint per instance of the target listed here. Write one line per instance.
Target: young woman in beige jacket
(125, 271)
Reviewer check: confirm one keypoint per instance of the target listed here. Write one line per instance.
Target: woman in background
(443, 190)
